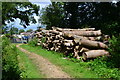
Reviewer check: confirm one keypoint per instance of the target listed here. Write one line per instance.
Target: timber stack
(80, 43)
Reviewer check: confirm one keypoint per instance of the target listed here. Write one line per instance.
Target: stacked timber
(86, 42)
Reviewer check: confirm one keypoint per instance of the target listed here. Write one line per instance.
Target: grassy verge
(75, 70)
(29, 70)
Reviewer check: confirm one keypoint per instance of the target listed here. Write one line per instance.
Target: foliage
(111, 28)
(5, 42)
(23, 11)
(52, 15)
(21, 30)
(97, 14)
(114, 49)
(108, 67)
(9, 30)
(33, 42)
(9, 60)
(13, 30)
(30, 30)
(100, 66)
(43, 39)
(104, 16)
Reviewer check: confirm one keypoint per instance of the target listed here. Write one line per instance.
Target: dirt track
(45, 67)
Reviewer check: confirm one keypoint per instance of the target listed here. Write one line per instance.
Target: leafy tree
(23, 11)
(21, 30)
(53, 15)
(4, 29)
(30, 30)
(104, 16)
(14, 30)
(9, 29)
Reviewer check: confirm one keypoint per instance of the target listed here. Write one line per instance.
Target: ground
(44, 66)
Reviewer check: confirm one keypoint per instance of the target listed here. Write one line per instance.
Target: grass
(29, 70)
(75, 70)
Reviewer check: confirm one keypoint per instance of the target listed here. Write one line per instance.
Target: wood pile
(86, 42)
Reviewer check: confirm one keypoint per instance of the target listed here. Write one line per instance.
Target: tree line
(101, 15)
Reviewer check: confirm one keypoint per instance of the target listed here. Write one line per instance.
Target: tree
(23, 11)
(21, 30)
(4, 29)
(52, 15)
(30, 30)
(104, 16)
(14, 30)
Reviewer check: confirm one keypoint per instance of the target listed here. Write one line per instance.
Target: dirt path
(45, 67)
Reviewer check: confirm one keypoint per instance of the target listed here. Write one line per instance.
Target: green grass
(75, 70)
(29, 70)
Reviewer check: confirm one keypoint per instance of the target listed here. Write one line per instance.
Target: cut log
(55, 32)
(84, 49)
(93, 44)
(68, 29)
(56, 41)
(94, 54)
(83, 33)
(45, 31)
(76, 55)
(67, 44)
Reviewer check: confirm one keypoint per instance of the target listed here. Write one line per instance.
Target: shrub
(9, 60)
(100, 67)
(108, 67)
(43, 39)
(33, 42)
(114, 49)
(5, 41)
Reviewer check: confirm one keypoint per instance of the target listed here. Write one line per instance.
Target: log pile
(87, 42)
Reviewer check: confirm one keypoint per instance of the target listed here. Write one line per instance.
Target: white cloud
(42, 4)
(114, 1)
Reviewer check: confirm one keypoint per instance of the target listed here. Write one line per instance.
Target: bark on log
(67, 44)
(94, 54)
(68, 29)
(93, 44)
(56, 41)
(84, 49)
(45, 31)
(55, 32)
(83, 33)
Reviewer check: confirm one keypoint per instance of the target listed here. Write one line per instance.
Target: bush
(100, 66)
(114, 49)
(5, 42)
(33, 42)
(9, 60)
(108, 67)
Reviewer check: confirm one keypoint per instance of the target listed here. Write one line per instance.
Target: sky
(42, 4)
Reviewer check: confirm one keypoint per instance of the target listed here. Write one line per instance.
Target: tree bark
(94, 54)
(68, 29)
(83, 33)
(93, 44)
